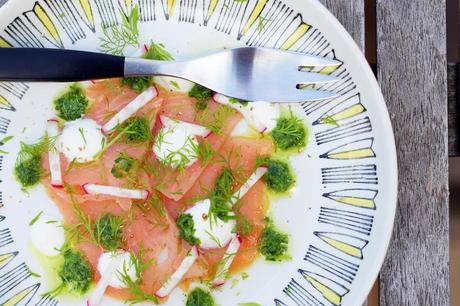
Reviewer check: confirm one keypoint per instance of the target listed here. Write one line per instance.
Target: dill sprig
(140, 265)
(180, 158)
(205, 152)
(3, 141)
(155, 208)
(158, 52)
(330, 120)
(117, 38)
(215, 121)
(222, 197)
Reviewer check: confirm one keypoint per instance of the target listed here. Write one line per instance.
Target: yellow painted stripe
(294, 37)
(327, 292)
(6, 258)
(20, 296)
(349, 112)
(4, 43)
(361, 202)
(343, 246)
(86, 6)
(47, 23)
(171, 4)
(212, 7)
(254, 15)
(352, 154)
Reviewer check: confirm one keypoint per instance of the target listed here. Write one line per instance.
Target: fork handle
(57, 65)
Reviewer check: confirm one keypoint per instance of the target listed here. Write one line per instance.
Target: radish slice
(193, 129)
(54, 159)
(174, 84)
(262, 116)
(163, 256)
(130, 109)
(252, 180)
(226, 261)
(177, 276)
(98, 293)
(138, 194)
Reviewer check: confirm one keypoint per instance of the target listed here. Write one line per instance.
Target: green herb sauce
(273, 243)
(187, 228)
(200, 297)
(72, 104)
(279, 177)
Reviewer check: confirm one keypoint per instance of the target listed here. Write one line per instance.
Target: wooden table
(412, 71)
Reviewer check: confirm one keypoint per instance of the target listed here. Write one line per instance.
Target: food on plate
(155, 190)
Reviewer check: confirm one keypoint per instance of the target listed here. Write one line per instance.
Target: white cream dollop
(174, 84)
(47, 235)
(125, 263)
(81, 140)
(260, 115)
(176, 142)
(211, 235)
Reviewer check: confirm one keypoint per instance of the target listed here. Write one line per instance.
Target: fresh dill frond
(262, 22)
(3, 141)
(215, 121)
(140, 265)
(330, 120)
(35, 219)
(117, 38)
(222, 197)
(158, 52)
(205, 152)
(134, 130)
(155, 208)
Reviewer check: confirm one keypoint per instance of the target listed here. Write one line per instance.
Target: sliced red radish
(98, 293)
(245, 110)
(138, 194)
(173, 84)
(177, 276)
(163, 256)
(226, 261)
(252, 180)
(193, 129)
(131, 108)
(52, 129)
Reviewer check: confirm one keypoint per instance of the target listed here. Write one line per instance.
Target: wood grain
(411, 69)
(351, 15)
(453, 115)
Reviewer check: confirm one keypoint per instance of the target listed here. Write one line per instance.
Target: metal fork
(252, 74)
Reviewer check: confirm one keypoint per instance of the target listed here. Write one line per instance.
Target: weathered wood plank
(411, 69)
(351, 15)
(452, 82)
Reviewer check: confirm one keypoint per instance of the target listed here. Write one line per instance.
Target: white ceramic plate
(341, 215)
